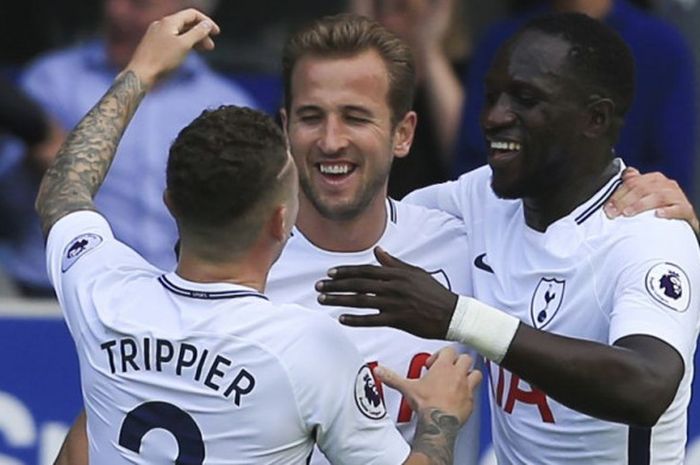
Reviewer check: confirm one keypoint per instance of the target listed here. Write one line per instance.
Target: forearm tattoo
(82, 162)
(435, 436)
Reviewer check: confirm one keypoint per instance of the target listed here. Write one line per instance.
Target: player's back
(184, 372)
(214, 373)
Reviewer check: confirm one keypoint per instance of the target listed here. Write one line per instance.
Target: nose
(497, 113)
(333, 138)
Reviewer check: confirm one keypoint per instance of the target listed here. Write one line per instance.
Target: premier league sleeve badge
(669, 285)
(79, 247)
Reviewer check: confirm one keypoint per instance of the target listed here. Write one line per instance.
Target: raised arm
(83, 161)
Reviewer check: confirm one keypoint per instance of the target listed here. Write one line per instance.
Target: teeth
(502, 145)
(334, 169)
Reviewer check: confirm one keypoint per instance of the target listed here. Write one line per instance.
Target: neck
(597, 9)
(542, 211)
(244, 271)
(352, 235)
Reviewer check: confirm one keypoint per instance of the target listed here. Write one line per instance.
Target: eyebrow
(345, 108)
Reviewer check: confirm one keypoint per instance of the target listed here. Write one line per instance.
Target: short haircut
(348, 35)
(598, 55)
(222, 166)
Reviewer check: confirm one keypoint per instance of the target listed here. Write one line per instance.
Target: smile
(505, 146)
(336, 169)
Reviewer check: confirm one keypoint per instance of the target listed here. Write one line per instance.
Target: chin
(506, 190)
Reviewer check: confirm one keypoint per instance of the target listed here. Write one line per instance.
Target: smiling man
(591, 323)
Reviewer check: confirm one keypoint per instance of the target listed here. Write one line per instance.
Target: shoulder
(408, 216)
(313, 343)
(81, 248)
(475, 185)
(647, 237)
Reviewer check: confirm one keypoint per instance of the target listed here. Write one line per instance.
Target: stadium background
(39, 380)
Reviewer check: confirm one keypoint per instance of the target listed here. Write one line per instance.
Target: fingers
(354, 285)
(630, 172)
(640, 193)
(200, 34)
(681, 212)
(388, 260)
(186, 20)
(429, 362)
(361, 321)
(392, 379)
(363, 271)
(354, 301)
(474, 379)
(464, 362)
(445, 356)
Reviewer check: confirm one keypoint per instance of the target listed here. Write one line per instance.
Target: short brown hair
(349, 34)
(222, 168)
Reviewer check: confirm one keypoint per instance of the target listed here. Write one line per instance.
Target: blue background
(39, 369)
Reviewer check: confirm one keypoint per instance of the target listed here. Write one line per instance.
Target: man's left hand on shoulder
(651, 191)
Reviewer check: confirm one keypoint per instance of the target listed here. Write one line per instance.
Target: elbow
(653, 399)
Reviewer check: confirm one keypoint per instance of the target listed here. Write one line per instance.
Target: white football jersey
(430, 239)
(586, 277)
(181, 372)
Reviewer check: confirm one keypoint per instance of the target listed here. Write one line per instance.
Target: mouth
(503, 151)
(335, 172)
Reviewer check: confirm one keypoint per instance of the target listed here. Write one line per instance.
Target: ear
(278, 226)
(168, 201)
(284, 120)
(403, 134)
(601, 113)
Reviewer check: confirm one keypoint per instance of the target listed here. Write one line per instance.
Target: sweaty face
(531, 116)
(340, 134)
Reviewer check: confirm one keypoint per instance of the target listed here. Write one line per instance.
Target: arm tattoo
(82, 162)
(435, 436)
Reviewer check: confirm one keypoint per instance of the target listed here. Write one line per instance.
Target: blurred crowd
(61, 56)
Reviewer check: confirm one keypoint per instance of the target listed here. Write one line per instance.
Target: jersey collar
(391, 219)
(596, 202)
(206, 291)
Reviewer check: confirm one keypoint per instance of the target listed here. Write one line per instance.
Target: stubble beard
(350, 210)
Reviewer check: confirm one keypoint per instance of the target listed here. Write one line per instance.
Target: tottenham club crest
(669, 285)
(367, 396)
(79, 247)
(546, 301)
(441, 277)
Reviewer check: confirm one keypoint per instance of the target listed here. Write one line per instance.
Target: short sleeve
(340, 403)
(80, 251)
(656, 292)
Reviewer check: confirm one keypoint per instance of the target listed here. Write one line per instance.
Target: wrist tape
(486, 329)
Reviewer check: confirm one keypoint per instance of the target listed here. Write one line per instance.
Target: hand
(406, 296)
(448, 385)
(642, 192)
(167, 42)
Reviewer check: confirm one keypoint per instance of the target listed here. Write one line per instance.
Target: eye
(354, 119)
(526, 99)
(490, 97)
(310, 118)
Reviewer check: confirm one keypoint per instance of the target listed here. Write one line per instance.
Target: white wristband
(488, 330)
